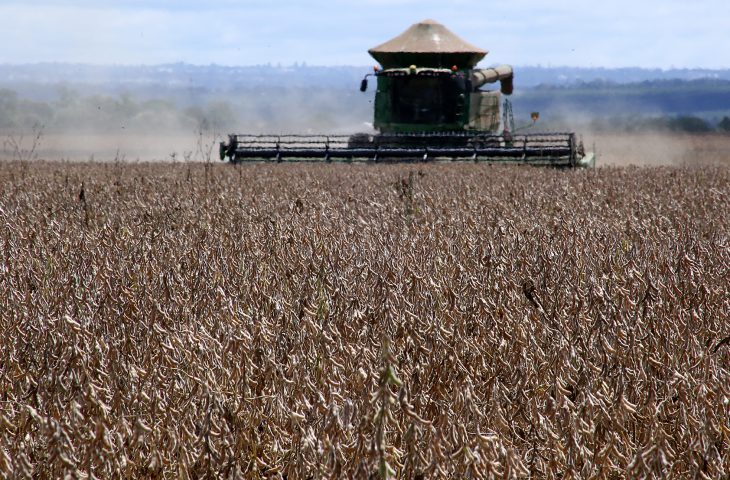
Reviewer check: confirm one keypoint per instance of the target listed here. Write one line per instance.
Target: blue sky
(613, 33)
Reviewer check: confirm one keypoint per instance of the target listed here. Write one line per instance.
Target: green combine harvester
(430, 104)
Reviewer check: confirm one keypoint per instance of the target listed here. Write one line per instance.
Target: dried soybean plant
(22, 148)
(295, 321)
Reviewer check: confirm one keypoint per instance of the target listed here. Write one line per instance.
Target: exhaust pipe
(503, 74)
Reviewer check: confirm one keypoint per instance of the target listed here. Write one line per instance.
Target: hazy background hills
(182, 98)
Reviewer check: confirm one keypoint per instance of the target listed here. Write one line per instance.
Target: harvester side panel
(484, 113)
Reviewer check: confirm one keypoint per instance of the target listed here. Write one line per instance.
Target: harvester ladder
(508, 118)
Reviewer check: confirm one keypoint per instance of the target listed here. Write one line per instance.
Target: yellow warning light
(412, 68)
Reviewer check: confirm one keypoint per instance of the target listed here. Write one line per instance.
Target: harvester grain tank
(430, 104)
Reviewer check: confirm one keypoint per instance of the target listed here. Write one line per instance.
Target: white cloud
(572, 32)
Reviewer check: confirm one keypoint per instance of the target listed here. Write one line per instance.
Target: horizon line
(304, 64)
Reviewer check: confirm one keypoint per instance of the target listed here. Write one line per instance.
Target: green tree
(689, 124)
(8, 108)
(724, 125)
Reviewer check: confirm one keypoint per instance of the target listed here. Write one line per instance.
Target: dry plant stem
(21, 151)
(205, 144)
(347, 321)
(19, 148)
(385, 399)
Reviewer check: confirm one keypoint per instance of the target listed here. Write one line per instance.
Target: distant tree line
(314, 110)
(255, 109)
(679, 124)
(667, 105)
(73, 112)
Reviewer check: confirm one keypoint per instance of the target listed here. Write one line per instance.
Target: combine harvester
(429, 105)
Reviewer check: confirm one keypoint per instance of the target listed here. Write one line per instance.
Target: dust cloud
(130, 127)
(102, 146)
(658, 149)
(125, 128)
(612, 149)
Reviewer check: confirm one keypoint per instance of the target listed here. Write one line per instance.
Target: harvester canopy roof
(427, 44)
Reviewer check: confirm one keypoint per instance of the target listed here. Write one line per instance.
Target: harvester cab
(435, 99)
(431, 103)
